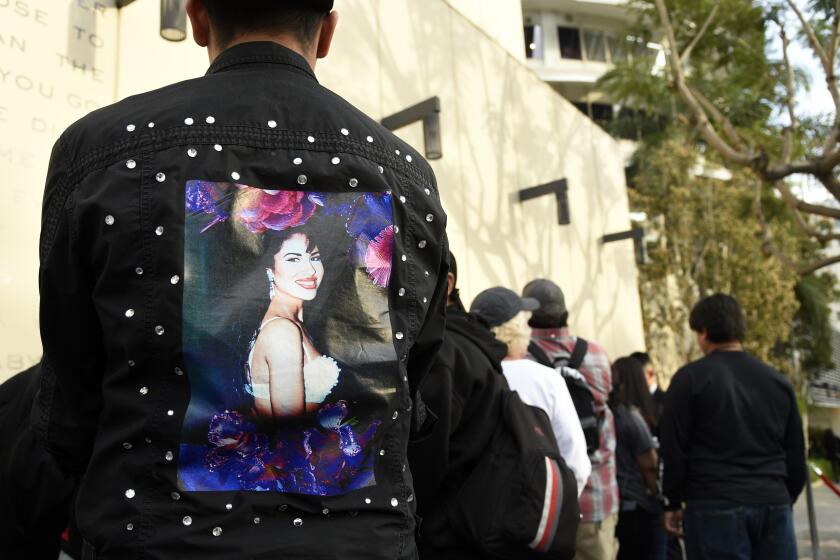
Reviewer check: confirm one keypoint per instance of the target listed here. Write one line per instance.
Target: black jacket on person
(157, 211)
(463, 388)
(659, 408)
(731, 432)
(35, 496)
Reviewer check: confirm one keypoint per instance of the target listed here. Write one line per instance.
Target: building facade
(502, 130)
(571, 44)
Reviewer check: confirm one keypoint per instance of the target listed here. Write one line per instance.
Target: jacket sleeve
(65, 411)
(794, 451)
(675, 432)
(429, 458)
(428, 341)
(434, 258)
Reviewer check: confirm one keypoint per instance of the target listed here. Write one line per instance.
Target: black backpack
(584, 401)
(520, 501)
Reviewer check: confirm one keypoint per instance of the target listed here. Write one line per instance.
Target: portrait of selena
(287, 338)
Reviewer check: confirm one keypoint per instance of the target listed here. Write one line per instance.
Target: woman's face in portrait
(298, 270)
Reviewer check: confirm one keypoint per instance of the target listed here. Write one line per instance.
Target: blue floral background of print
(327, 452)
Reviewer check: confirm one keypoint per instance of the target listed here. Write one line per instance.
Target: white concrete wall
(503, 130)
(500, 19)
(57, 62)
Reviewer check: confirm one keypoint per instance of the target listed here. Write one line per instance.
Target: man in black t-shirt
(732, 446)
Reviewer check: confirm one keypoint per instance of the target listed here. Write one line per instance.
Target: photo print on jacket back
(287, 338)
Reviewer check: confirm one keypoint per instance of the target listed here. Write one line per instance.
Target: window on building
(601, 113)
(617, 48)
(582, 107)
(569, 42)
(594, 45)
(533, 41)
(640, 49)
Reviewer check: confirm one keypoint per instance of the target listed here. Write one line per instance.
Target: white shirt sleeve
(569, 434)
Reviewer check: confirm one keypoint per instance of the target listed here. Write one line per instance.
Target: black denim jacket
(242, 283)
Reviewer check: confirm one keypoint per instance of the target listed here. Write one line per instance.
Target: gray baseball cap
(550, 296)
(499, 305)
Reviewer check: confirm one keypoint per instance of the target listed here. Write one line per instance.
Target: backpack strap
(578, 353)
(539, 354)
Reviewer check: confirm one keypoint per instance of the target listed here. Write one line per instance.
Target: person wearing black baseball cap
(231, 361)
(507, 314)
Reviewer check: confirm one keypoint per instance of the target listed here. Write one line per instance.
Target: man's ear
(199, 21)
(327, 33)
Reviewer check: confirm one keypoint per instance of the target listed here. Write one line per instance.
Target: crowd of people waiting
(729, 430)
(83, 435)
(725, 440)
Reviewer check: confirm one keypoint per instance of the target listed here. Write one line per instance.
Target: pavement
(827, 506)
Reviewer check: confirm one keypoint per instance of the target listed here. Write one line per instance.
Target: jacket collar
(260, 52)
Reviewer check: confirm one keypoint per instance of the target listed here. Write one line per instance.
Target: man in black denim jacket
(243, 280)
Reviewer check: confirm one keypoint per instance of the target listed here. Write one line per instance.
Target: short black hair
(230, 19)
(720, 316)
(641, 357)
(543, 322)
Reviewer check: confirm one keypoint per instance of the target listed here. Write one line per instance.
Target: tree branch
(803, 206)
(830, 149)
(721, 120)
(768, 245)
(827, 59)
(705, 27)
(835, 33)
(813, 267)
(812, 36)
(830, 182)
(807, 228)
(777, 172)
(704, 126)
(790, 132)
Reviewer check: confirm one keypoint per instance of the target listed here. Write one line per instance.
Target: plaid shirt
(600, 497)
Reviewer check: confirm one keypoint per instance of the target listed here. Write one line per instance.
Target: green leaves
(710, 240)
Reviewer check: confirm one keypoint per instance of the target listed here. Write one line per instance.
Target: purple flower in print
(370, 225)
(203, 197)
(369, 216)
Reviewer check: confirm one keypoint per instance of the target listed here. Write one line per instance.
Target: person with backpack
(462, 389)
(486, 438)
(550, 334)
(537, 385)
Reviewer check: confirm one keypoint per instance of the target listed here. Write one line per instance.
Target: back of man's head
(552, 312)
(642, 357)
(720, 317)
(301, 19)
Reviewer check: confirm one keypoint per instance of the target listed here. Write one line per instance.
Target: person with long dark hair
(636, 460)
(636, 392)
